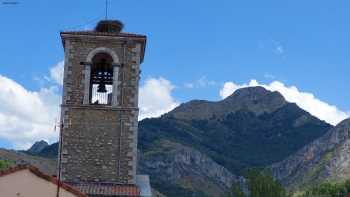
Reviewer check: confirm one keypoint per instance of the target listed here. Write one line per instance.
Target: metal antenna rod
(106, 9)
(59, 160)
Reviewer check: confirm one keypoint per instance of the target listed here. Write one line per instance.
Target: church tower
(98, 142)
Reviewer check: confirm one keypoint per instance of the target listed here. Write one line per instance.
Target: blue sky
(197, 46)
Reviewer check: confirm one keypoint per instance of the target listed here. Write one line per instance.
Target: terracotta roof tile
(108, 189)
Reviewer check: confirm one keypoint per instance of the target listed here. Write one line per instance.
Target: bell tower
(98, 142)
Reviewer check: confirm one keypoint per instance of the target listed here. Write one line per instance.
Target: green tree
(4, 164)
(236, 191)
(329, 189)
(260, 184)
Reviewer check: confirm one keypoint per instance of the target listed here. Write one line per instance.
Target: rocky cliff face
(327, 158)
(183, 167)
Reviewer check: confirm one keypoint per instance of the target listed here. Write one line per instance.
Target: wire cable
(78, 27)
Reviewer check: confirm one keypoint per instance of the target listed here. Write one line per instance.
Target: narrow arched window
(101, 79)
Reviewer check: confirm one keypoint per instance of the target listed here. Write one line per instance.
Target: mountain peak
(340, 133)
(255, 93)
(257, 100)
(345, 122)
(252, 90)
(37, 147)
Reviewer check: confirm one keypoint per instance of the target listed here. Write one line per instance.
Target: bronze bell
(101, 88)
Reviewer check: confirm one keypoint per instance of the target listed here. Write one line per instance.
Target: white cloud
(155, 98)
(229, 88)
(56, 73)
(27, 116)
(189, 85)
(279, 50)
(272, 45)
(269, 76)
(278, 47)
(304, 100)
(202, 82)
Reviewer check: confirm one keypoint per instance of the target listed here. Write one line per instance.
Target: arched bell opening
(101, 79)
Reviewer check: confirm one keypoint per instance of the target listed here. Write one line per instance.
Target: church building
(99, 112)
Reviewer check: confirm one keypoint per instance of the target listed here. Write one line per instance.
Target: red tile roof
(40, 174)
(108, 189)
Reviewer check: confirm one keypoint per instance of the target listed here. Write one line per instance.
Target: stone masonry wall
(99, 143)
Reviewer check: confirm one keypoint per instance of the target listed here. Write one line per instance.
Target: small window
(101, 81)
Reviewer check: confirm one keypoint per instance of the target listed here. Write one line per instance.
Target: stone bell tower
(98, 142)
